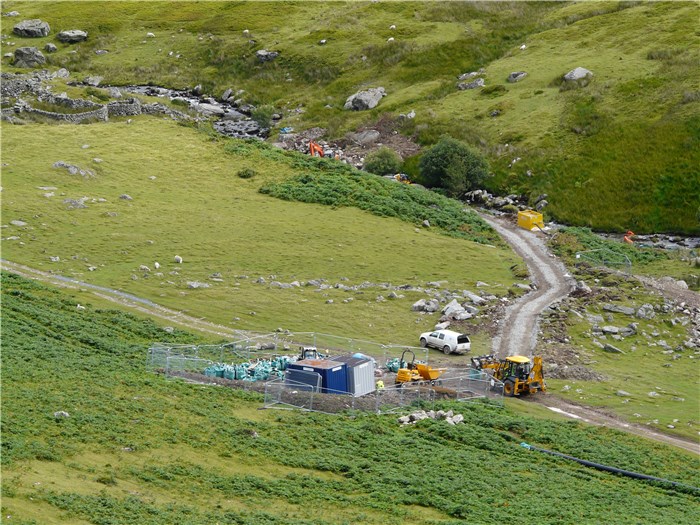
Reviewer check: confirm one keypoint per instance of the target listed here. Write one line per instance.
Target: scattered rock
(516, 76)
(263, 55)
(178, 260)
(618, 309)
(474, 84)
(579, 76)
(197, 284)
(72, 36)
(363, 100)
(61, 414)
(50, 48)
(612, 349)
(654, 394)
(34, 28)
(28, 57)
(622, 393)
(126, 197)
(18, 223)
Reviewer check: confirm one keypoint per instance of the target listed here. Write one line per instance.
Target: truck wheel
(509, 388)
(423, 342)
(447, 349)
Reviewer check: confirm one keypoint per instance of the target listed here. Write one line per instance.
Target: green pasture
(187, 200)
(139, 449)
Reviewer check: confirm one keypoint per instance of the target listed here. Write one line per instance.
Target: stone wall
(74, 118)
(123, 108)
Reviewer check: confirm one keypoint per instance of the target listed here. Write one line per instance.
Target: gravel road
(518, 334)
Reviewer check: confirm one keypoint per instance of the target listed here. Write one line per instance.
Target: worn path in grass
(518, 332)
(124, 299)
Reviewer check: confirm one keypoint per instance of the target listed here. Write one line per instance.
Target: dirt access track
(518, 330)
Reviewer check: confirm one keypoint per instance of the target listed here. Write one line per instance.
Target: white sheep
(79, 307)
(150, 35)
(523, 47)
(246, 32)
(156, 265)
(178, 259)
(144, 268)
(390, 39)
(392, 26)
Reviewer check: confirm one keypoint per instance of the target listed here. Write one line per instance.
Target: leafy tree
(453, 165)
(384, 161)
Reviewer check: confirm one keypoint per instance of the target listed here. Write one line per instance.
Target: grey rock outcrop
(363, 100)
(516, 76)
(646, 311)
(479, 82)
(263, 55)
(72, 36)
(50, 48)
(579, 76)
(34, 28)
(28, 57)
(366, 137)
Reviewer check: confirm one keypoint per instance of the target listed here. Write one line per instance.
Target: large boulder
(34, 28)
(363, 100)
(263, 55)
(479, 82)
(365, 138)
(578, 77)
(516, 76)
(72, 36)
(28, 57)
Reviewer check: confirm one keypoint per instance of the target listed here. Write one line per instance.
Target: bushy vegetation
(454, 166)
(385, 198)
(384, 161)
(569, 241)
(137, 449)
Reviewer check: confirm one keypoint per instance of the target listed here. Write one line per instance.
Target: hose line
(607, 468)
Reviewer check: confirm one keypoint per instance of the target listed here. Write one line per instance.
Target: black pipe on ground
(607, 468)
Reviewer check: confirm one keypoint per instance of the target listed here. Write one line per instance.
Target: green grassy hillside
(619, 153)
(187, 200)
(137, 449)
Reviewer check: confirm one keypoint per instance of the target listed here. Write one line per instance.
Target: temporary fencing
(258, 362)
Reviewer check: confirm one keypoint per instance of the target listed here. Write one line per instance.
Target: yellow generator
(518, 374)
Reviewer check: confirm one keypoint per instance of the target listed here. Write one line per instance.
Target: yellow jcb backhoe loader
(518, 374)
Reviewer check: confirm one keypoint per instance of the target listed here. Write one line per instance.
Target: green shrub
(246, 173)
(383, 161)
(453, 165)
(493, 91)
(262, 115)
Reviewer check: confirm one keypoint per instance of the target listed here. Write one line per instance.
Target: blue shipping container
(333, 374)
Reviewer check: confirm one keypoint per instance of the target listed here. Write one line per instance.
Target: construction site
(331, 374)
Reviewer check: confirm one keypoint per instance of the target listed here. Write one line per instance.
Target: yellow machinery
(530, 219)
(416, 371)
(402, 177)
(518, 374)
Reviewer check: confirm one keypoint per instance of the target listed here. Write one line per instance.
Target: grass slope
(188, 201)
(137, 449)
(620, 153)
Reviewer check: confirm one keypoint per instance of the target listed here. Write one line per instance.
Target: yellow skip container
(530, 219)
